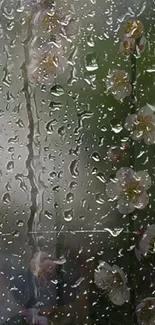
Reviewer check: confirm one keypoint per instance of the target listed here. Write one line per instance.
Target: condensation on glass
(71, 253)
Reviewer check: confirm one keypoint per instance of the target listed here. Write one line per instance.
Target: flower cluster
(53, 34)
(133, 41)
(130, 187)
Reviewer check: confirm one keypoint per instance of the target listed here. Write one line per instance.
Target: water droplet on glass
(20, 123)
(99, 197)
(116, 126)
(54, 106)
(56, 188)
(68, 215)
(8, 186)
(96, 156)
(69, 197)
(48, 215)
(20, 223)
(57, 90)
(49, 127)
(73, 168)
(151, 70)
(73, 185)
(53, 174)
(16, 234)
(90, 40)
(6, 198)
(91, 62)
(10, 166)
(77, 283)
(115, 232)
(62, 131)
(13, 140)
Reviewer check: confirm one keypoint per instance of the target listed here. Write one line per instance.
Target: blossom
(116, 153)
(32, 317)
(112, 280)
(129, 188)
(118, 82)
(142, 125)
(54, 22)
(141, 46)
(133, 28)
(43, 267)
(46, 64)
(146, 243)
(127, 46)
(145, 311)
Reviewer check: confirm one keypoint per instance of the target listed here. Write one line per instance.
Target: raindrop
(94, 171)
(150, 70)
(13, 140)
(68, 215)
(10, 166)
(8, 186)
(96, 156)
(49, 127)
(53, 174)
(54, 106)
(57, 90)
(11, 149)
(116, 126)
(16, 234)
(73, 185)
(20, 123)
(69, 197)
(48, 215)
(10, 25)
(60, 174)
(77, 283)
(90, 41)
(141, 154)
(23, 186)
(56, 188)
(6, 198)
(73, 168)
(20, 223)
(99, 197)
(91, 62)
(115, 232)
(101, 177)
(62, 131)
(82, 218)
(83, 202)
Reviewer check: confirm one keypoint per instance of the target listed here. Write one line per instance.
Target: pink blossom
(44, 267)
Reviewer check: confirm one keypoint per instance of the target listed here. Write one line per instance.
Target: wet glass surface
(77, 228)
